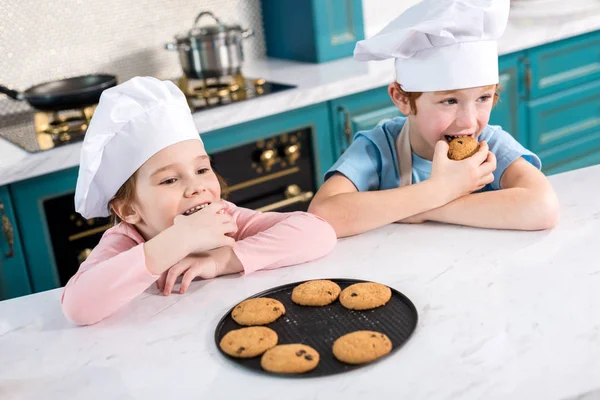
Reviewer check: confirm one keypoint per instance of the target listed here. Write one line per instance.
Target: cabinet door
(566, 125)
(14, 280)
(510, 111)
(29, 197)
(358, 112)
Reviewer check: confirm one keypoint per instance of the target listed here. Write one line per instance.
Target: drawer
(581, 161)
(565, 120)
(564, 65)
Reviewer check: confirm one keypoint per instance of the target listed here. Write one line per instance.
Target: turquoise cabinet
(510, 111)
(563, 65)
(29, 197)
(14, 279)
(566, 125)
(358, 112)
(312, 30)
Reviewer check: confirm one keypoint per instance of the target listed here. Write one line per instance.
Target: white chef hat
(133, 121)
(441, 44)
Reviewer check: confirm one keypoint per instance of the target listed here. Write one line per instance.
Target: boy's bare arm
(351, 212)
(526, 202)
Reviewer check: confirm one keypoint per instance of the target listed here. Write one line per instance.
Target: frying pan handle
(13, 94)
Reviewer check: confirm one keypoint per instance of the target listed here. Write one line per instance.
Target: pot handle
(176, 47)
(203, 13)
(13, 94)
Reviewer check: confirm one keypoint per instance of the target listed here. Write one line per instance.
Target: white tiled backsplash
(53, 39)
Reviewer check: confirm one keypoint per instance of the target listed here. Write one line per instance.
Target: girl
(446, 63)
(144, 163)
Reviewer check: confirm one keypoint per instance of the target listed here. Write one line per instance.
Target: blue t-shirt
(371, 161)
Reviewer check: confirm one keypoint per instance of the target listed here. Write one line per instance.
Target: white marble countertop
(315, 83)
(502, 315)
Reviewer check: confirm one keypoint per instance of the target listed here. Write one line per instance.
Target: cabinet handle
(294, 195)
(528, 78)
(8, 232)
(347, 124)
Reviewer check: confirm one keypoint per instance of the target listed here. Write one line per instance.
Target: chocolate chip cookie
(462, 147)
(316, 293)
(290, 359)
(361, 347)
(248, 342)
(258, 311)
(365, 295)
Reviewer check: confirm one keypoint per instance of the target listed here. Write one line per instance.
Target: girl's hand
(193, 266)
(206, 229)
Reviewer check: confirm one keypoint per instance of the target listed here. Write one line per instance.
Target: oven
(272, 174)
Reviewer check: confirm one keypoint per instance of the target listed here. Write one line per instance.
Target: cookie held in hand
(462, 147)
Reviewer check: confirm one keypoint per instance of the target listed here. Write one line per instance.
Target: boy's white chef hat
(441, 44)
(133, 121)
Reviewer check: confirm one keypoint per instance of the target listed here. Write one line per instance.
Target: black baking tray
(319, 327)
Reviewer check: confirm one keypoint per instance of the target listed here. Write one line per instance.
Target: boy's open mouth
(195, 209)
(450, 137)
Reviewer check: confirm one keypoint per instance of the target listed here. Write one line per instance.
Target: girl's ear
(126, 212)
(399, 99)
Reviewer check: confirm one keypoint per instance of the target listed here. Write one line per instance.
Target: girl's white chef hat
(133, 121)
(441, 44)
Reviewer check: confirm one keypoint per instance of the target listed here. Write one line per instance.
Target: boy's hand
(459, 178)
(206, 229)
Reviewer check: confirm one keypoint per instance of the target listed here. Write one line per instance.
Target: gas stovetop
(36, 131)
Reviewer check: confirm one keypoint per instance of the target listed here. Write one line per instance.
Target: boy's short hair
(413, 96)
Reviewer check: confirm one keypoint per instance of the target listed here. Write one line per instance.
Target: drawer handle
(293, 195)
(8, 232)
(347, 124)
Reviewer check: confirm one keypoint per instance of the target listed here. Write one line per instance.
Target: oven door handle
(293, 195)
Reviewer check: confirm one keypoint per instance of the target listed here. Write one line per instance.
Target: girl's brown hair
(413, 96)
(126, 195)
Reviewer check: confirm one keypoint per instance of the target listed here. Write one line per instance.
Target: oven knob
(83, 255)
(292, 152)
(268, 158)
(292, 191)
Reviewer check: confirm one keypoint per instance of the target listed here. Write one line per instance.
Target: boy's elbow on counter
(550, 211)
(323, 211)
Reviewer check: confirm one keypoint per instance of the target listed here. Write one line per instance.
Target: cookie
(248, 342)
(290, 359)
(316, 293)
(462, 147)
(361, 347)
(259, 311)
(365, 295)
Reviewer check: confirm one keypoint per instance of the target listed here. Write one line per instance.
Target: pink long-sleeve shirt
(115, 272)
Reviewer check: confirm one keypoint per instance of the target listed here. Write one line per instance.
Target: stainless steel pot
(211, 51)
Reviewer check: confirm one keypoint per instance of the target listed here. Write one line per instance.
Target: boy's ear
(126, 212)
(399, 99)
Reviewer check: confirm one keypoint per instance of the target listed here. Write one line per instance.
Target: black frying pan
(77, 92)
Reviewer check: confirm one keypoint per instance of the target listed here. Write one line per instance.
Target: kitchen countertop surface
(315, 83)
(502, 315)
